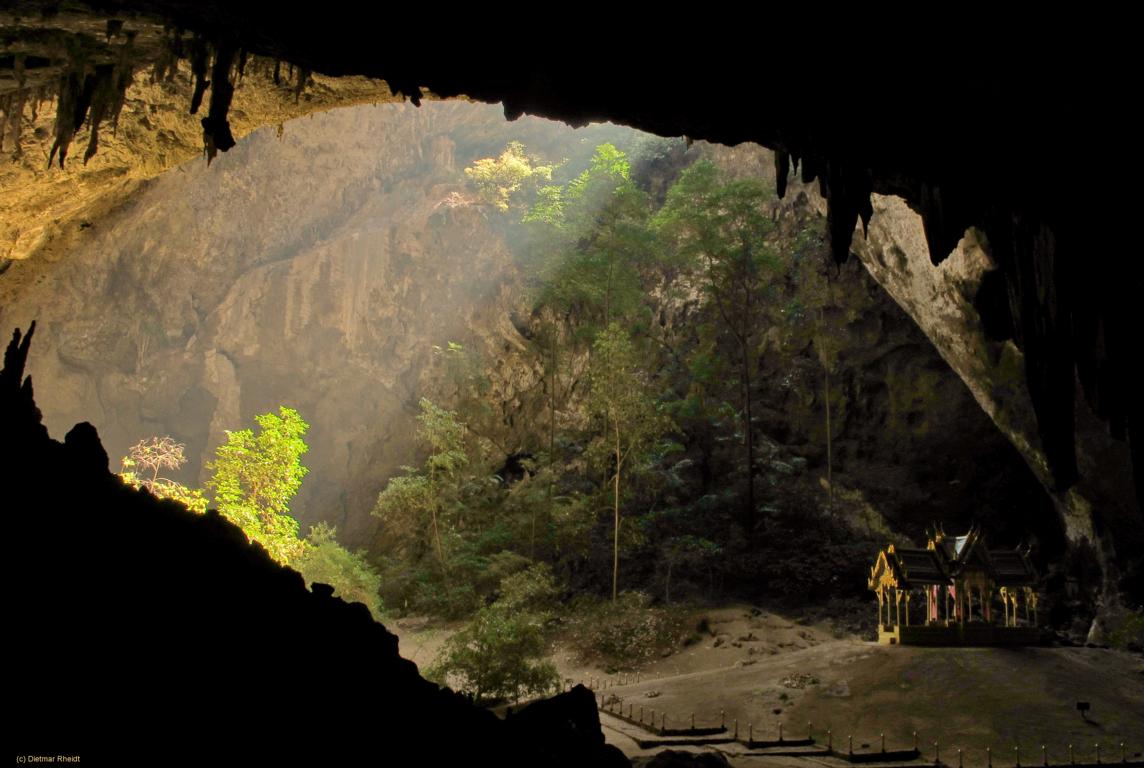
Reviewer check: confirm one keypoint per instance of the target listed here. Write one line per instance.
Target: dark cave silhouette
(144, 633)
(124, 638)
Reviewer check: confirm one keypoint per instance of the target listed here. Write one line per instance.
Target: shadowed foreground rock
(145, 633)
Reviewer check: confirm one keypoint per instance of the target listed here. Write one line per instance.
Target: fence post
(882, 736)
(850, 744)
(693, 721)
(723, 719)
(1098, 754)
(736, 729)
(810, 731)
(989, 756)
(1017, 756)
(829, 741)
(936, 754)
(1071, 760)
(915, 741)
(780, 733)
(959, 763)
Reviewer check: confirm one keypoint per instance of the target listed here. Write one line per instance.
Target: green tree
(414, 507)
(721, 229)
(499, 654)
(256, 475)
(497, 179)
(592, 237)
(683, 551)
(325, 561)
(632, 423)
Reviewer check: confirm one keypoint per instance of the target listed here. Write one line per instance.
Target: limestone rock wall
(325, 291)
(1099, 514)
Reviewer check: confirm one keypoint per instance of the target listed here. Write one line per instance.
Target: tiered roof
(948, 558)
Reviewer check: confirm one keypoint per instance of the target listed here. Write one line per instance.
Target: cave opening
(365, 268)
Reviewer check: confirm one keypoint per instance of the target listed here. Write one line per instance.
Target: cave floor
(764, 669)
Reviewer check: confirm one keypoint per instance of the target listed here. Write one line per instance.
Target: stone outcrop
(951, 304)
(123, 91)
(335, 295)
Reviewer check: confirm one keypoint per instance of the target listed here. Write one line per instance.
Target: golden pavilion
(962, 583)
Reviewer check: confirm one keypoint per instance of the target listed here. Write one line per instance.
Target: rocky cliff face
(1099, 514)
(131, 84)
(219, 293)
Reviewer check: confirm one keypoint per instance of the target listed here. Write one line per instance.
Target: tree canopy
(256, 475)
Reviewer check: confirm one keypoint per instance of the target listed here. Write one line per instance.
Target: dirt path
(763, 669)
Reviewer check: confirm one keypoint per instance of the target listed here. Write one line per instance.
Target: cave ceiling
(1019, 130)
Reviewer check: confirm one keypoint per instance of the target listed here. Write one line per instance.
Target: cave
(1006, 237)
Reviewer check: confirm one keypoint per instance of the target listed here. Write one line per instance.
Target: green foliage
(256, 476)
(147, 459)
(623, 633)
(533, 590)
(326, 562)
(420, 508)
(720, 231)
(498, 656)
(681, 552)
(622, 396)
(498, 179)
(1127, 631)
(631, 421)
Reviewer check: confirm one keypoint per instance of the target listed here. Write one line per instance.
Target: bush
(327, 562)
(449, 601)
(498, 655)
(533, 590)
(1127, 632)
(623, 633)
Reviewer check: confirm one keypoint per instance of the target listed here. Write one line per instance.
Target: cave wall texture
(330, 294)
(1026, 139)
(1067, 287)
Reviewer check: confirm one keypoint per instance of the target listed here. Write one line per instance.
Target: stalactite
(5, 108)
(300, 84)
(167, 61)
(217, 136)
(12, 125)
(102, 102)
(68, 105)
(782, 170)
(42, 94)
(809, 170)
(124, 76)
(944, 220)
(200, 55)
(847, 191)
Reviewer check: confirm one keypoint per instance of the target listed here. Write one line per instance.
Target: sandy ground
(765, 669)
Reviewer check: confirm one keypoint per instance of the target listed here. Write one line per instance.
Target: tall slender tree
(631, 422)
(721, 229)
